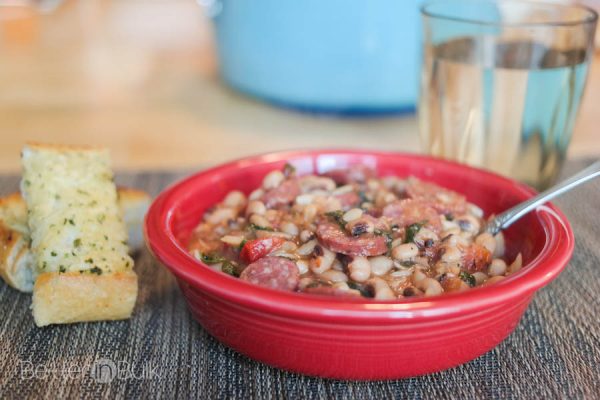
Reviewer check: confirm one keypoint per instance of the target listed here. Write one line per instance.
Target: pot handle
(212, 8)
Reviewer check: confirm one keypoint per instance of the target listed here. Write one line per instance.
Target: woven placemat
(163, 353)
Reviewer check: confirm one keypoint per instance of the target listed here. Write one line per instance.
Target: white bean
(334, 276)
(486, 240)
(380, 265)
(405, 252)
(382, 289)
(235, 199)
(221, 215)
(273, 179)
(497, 267)
(256, 207)
(352, 214)
(360, 269)
(516, 264)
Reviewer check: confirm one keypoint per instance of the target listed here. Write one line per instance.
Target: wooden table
(140, 77)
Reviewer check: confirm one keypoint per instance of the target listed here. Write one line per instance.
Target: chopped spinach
(255, 227)
(229, 269)
(468, 278)
(364, 290)
(338, 217)
(412, 230)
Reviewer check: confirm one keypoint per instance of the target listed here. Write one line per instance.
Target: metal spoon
(508, 217)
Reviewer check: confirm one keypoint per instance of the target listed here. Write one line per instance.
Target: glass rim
(590, 18)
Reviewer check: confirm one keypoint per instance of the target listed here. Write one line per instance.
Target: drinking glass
(501, 83)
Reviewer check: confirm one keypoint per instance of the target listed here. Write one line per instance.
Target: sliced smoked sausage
(272, 272)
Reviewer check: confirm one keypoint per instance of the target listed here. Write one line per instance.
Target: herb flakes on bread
(78, 237)
(16, 260)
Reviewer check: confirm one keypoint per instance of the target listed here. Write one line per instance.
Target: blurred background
(142, 77)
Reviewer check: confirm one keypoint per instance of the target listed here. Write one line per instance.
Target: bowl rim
(161, 241)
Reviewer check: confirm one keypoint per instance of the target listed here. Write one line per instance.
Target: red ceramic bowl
(359, 339)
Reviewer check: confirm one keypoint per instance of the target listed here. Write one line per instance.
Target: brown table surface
(140, 77)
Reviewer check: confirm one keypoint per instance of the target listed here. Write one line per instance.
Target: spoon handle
(506, 219)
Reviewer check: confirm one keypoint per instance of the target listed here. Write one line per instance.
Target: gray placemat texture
(163, 353)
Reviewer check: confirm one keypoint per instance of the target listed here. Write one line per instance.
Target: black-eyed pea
(306, 235)
(360, 269)
(221, 215)
(468, 223)
(405, 252)
(451, 254)
(497, 267)
(381, 289)
(494, 279)
(334, 276)
(235, 199)
(516, 265)
(418, 276)
(486, 240)
(259, 220)
(352, 214)
(307, 248)
(430, 286)
(323, 261)
(480, 277)
(381, 265)
(302, 266)
(256, 207)
(290, 228)
(305, 282)
(273, 179)
(256, 194)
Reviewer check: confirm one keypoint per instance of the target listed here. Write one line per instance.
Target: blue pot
(343, 56)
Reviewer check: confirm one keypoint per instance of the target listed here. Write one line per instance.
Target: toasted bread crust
(63, 147)
(62, 298)
(16, 260)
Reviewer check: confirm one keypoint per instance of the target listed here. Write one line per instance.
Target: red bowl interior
(543, 237)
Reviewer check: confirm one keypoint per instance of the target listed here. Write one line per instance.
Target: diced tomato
(476, 258)
(259, 248)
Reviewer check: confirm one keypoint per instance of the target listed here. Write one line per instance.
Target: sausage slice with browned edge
(272, 272)
(282, 195)
(335, 239)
